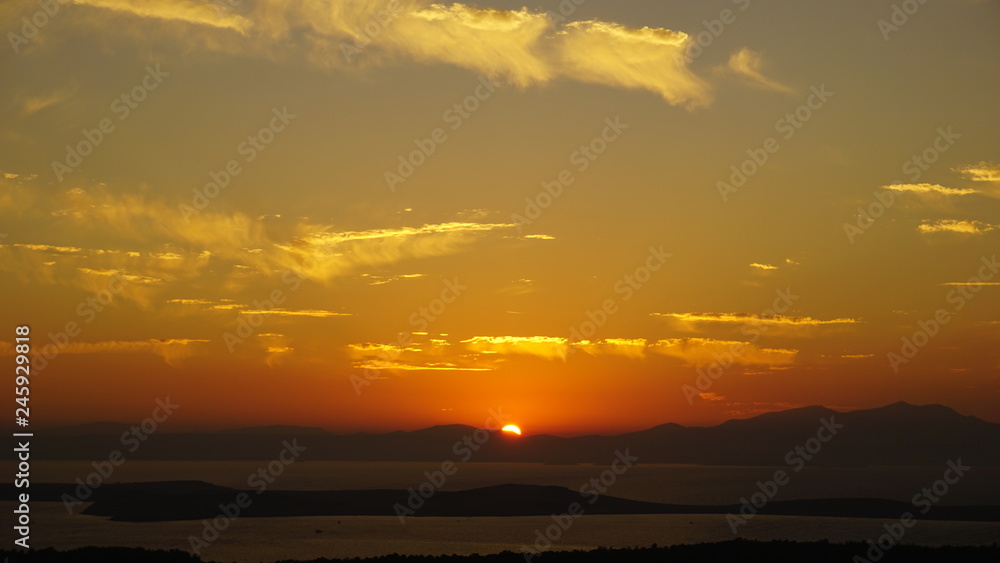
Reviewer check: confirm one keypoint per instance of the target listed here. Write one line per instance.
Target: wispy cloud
(33, 104)
(706, 351)
(520, 47)
(748, 63)
(981, 172)
(154, 241)
(936, 189)
(753, 318)
(187, 11)
(315, 313)
(956, 226)
(549, 347)
(646, 58)
(481, 353)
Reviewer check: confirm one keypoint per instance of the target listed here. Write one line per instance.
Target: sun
(512, 429)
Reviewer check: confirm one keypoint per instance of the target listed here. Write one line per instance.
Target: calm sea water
(268, 539)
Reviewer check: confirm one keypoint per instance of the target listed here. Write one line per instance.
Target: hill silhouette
(896, 434)
(195, 500)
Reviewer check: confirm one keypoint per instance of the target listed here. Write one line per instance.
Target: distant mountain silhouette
(896, 434)
(195, 500)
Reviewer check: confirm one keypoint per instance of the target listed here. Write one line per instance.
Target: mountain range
(896, 434)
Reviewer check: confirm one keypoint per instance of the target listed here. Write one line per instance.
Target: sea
(246, 540)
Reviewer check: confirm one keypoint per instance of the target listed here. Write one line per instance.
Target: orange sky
(373, 215)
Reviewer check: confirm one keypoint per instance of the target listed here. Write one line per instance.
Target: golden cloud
(520, 47)
(955, 226)
(647, 58)
(707, 351)
(748, 63)
(549, 347)
(982, 172)
(752, 318)
(187, 11)
(929, 189)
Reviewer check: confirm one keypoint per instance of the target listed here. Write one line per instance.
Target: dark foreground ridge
(196, 500)
(735, 551)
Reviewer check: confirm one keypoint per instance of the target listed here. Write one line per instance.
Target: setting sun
(512, 429)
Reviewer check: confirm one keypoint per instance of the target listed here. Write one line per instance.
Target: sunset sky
(424, 205)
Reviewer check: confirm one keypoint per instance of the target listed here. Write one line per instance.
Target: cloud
(433, 355)
(374, 279)
(747, 63)
(48, 248)
(482, 353)
(520, 47)
(930, 189)
(752, 318)
(276, 347)
(706, 351)
(316, 313)
(31, 105)
(153, 241)
(981, 172)
(955, 226)
(763, 266)
(322, 253)
(188, 11)
(549, 347)
(647, 58)
(496, 43)
(633, 348)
